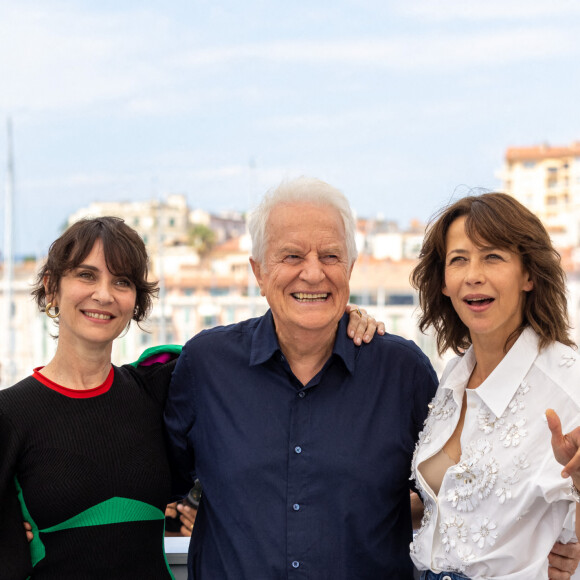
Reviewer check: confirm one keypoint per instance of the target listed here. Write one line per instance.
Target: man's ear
(350, 272)
(257, 269)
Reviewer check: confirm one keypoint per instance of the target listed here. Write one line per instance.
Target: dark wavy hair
(499, 220)
(125, 255)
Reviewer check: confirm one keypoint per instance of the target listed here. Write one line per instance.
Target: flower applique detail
(517, 403)
(452, 532)
(442, 406)
(504, 492)
(488, 478)
(487, 422)
(423, 439)
(472, 481)
(568, 360)
(466, 555)
(427, 513)
(482, 532)
(513, 433)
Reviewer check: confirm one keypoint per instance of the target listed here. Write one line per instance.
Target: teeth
(478, 299)
(98, 316)
(303, 296)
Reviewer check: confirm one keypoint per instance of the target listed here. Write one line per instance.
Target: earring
(49, 314)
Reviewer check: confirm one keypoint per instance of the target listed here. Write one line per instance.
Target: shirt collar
(265, 342)
(501, 385)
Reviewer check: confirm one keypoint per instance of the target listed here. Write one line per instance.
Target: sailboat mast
(8, 364)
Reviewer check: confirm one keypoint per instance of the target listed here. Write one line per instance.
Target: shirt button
(301, 394)
(298, 449)
(295, 564)
(446, 578)
(296, 507)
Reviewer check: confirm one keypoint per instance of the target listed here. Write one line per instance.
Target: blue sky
(400, 104)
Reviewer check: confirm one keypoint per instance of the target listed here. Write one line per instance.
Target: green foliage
(202, 239)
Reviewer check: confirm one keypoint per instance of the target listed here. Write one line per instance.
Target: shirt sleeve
(179, 421)
(15, 562)
(568, 534)
(155, 378)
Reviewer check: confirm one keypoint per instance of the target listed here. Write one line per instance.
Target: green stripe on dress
(37, 549)
(116, 510)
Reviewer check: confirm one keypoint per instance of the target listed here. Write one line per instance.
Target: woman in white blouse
(491, 285)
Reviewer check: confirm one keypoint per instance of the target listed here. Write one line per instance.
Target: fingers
(171, 510)
(554, 424)
(187, 518)
(558, 440)
(29, 534)
(555, 574)
(361, 326)
(563, 566)
(566, 448)
(572, 468)
(571, 550)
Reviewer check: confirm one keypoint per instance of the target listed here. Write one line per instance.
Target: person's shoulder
(209, 336)
(450, 367)
(397, 344)
(19, 393)
(402, 351)
(561, 364)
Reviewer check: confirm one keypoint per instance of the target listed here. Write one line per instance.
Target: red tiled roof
(540, 152)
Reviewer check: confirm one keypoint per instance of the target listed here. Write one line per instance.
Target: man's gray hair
(300, 190)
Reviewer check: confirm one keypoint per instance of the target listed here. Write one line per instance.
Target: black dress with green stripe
(89, 471)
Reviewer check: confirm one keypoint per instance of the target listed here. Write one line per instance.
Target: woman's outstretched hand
(566, 447)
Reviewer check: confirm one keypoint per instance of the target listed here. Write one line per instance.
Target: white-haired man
(302, 440)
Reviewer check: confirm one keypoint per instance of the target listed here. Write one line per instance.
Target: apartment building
(217, 288)
(546, 179)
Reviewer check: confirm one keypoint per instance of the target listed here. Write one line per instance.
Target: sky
(403, 105)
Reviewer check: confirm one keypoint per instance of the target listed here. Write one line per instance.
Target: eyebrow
(457, 251)
(481, 248)
(87, 267)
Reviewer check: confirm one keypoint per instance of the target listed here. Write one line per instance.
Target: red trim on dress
(75, 393)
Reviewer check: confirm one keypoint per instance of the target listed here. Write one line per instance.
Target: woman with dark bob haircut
(496, 499)
(83, 458)
(124, 253)
(81, 440)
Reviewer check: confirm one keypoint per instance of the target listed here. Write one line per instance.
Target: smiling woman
(94, 305)
(81, 440)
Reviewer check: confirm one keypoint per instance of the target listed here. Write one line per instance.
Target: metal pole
(8, 370)
(161, 272)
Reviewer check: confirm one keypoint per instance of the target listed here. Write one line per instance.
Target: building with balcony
(546, 179)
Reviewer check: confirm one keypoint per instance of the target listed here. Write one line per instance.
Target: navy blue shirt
(299, 482)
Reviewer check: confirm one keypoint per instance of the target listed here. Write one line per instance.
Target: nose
(102, 293)
(312, 271)
(475, 273)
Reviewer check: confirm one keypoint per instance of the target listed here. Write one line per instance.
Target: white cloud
(518, 10)
(146, 63)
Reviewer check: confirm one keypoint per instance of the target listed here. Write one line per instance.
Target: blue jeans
(428, 575)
